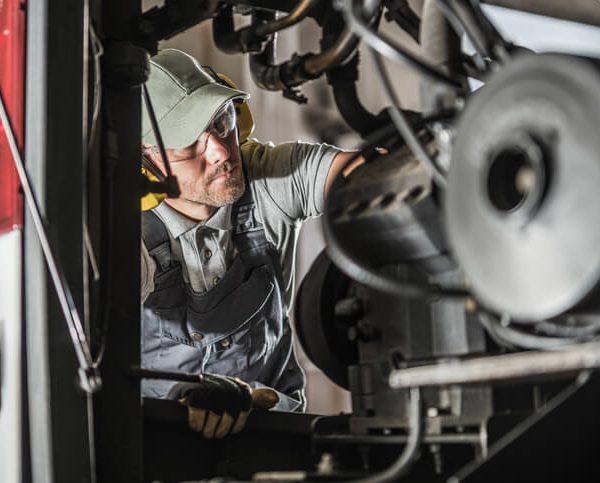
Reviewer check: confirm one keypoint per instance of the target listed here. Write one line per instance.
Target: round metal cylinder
(524, 188)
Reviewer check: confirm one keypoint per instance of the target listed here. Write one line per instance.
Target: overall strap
(156, 239)
(249, 236)
(248, 231)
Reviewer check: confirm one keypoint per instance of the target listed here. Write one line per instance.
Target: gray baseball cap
(185, 98)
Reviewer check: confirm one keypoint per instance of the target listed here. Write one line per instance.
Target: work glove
(219, 405)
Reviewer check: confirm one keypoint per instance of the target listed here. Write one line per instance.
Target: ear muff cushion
(151, 200)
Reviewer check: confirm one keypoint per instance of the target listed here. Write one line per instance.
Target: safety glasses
(223, 122)
(221, 126)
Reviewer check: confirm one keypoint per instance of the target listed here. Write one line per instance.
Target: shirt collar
(178, 224)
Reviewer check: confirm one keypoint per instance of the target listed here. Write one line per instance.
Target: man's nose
(217, 150)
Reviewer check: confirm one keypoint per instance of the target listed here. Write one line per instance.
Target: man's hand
(219, 405)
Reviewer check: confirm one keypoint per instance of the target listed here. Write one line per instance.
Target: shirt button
(226, 342)
(206, 254)
(216, 280)
(197, 336)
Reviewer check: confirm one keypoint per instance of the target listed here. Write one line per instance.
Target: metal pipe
(583, 11)
(441, 47)
(463, 438)
(299, 13)
(265, 73)
(411, 450)
(274, 5)
(499, 368)
(269, 75)
(252, 37)
(342, 49)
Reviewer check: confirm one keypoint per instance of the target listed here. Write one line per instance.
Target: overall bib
(239, 328)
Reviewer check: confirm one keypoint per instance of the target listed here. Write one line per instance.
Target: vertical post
(118, 418)
(58, 410)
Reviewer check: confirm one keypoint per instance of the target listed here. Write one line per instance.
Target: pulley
(320, 326)
(523, 188)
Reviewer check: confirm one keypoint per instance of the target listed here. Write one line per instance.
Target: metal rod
(344, 47)
(498, 368)
(89, 377)
(141, 373)
(466, 438)
(156, 130)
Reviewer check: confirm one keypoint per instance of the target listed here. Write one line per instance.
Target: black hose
(269, 75)
(252, 38)
(225, 36)
(403, 126)
(343, 79)
(265, 73)
(353, 112)
(411, 450)
(337, 46)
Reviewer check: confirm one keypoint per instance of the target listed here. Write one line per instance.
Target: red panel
(12, 86)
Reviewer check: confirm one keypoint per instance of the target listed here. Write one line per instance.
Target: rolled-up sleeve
(293, 175)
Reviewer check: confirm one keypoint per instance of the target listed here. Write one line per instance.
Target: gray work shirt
(288, 183)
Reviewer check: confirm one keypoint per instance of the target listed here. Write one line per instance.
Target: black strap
(248, 231)
(156, 239)
(154, 232)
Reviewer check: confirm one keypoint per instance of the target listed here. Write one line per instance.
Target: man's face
(209, 171)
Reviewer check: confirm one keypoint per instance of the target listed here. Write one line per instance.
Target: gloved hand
(219, 405)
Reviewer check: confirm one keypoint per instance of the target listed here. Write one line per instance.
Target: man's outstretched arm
(338, 164)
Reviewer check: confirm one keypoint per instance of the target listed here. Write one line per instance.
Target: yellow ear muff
(245, 121)
(151, 200)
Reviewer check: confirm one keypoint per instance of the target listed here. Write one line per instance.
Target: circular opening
(511, 179)
(414, 194)
(358, 208)
(387, 200)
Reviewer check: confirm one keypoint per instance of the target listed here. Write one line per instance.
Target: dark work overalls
(238, 328)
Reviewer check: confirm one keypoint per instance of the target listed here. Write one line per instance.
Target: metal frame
(63, 444)
(117, 407)
(58, 410)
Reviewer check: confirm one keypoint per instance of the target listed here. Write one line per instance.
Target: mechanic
(218, 261)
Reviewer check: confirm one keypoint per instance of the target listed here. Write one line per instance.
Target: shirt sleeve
(291, 175)
(148, 267)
